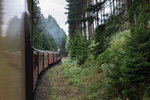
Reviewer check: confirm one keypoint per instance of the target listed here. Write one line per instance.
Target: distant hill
(57, 33)
(47, 35)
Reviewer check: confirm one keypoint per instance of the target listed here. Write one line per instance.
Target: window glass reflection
(12, 57)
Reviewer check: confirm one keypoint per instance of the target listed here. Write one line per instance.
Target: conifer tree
(74, 14)
(78, 48)
(136, 64)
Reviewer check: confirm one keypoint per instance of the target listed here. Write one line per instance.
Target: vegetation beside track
(69, 81)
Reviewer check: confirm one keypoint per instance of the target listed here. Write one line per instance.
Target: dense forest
(110, 39)
(47, 35)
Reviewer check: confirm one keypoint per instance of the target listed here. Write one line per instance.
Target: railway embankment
(54, 85)
(69, 81)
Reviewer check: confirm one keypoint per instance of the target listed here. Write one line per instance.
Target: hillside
(56, 33)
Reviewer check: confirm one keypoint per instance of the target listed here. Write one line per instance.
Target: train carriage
(20, 63)
(40, 63)
(45, 60)
(50, 57)
(34, 68)
(55, 57)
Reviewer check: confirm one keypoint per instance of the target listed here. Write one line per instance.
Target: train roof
(43, 51)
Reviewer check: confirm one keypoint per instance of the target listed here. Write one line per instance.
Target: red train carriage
(53, 57)
(35, 68)
(50, 57)
(41, 63)
(41, 60)
(45, 56)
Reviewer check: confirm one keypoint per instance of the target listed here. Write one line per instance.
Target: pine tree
(74, 14)
(78, 48)
(136, 66)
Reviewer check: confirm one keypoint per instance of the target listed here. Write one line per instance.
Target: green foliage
(67, 44)
(73, 74)
(78, 47)
(123, 58)
(89, 19)
(43, 41)
(63, 44)
(110, 62)
(146, 99)
(127, 60)
(40, 38)
(75, 9)
(91, 85)
(72, 71)
(104, 32)
(92, 47)
(96, 7)
(136, 64)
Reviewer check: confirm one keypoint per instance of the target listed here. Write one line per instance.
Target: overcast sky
(57, 10)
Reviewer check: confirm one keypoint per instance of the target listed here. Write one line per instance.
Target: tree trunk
(113, 6)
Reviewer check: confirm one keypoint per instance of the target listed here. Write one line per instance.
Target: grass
(60, 88)
(69, 81)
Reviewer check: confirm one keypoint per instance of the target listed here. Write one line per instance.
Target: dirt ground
(53, 86)
(42, 89)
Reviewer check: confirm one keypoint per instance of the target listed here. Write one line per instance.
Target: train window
(12, 50)
(35, 60)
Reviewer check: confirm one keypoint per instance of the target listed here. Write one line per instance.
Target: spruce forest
(109, 48)
(47, 34)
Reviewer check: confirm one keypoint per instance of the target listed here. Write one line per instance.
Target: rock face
(57, 33)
